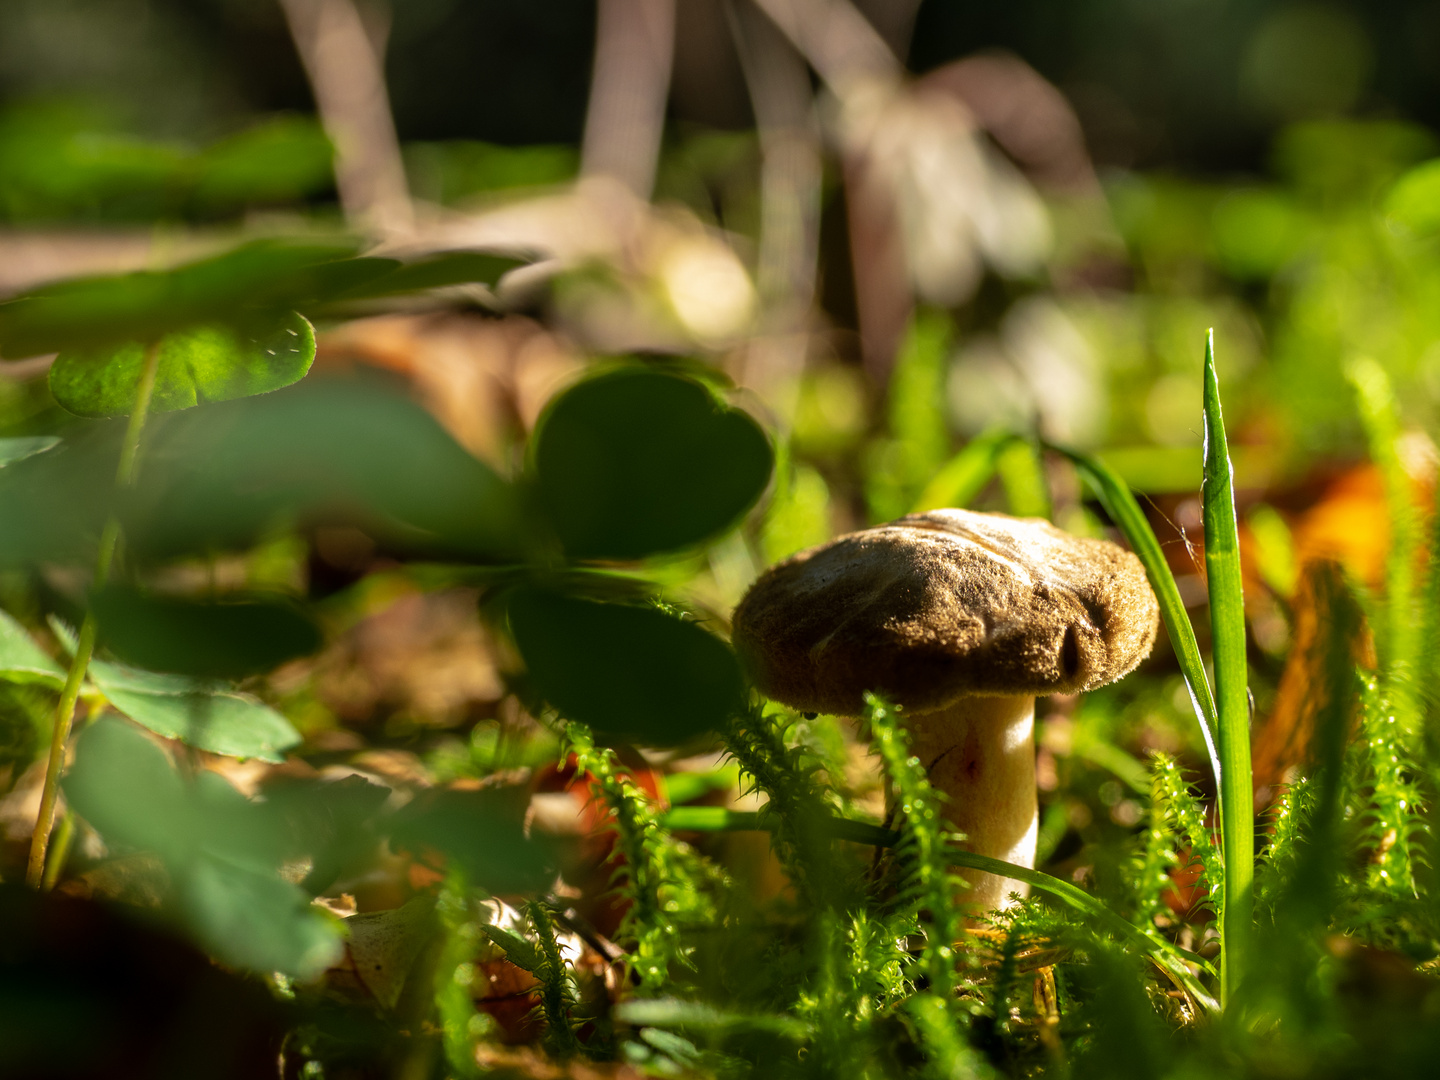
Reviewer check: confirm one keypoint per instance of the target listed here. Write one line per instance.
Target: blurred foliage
(454, 171)
(434, 741)
(60, 164)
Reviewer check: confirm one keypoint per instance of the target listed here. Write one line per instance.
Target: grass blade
(1115, 496)
(1227, 630)
(1166, 955)
(718, 819)
(965, 475)
(1401, 633)
(1022, 475)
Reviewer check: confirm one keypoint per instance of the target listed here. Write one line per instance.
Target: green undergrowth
(792, 924)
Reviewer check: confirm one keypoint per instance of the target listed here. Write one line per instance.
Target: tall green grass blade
(1400, 632)
(798, 515)
(1227, 631)
(718, 819)
(898, 467)
(1120, 504)
(1022, 475)
(965, 475)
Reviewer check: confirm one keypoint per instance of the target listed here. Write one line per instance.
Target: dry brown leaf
(1284, 740)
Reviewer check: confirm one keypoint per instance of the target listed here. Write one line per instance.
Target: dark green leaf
(340, 450)
(60, 161)
(93, 989)
(332, 821)
(637, 461)
(221, 851)
(226, 639)
(122, 784)
(197, 365)
(483, 831)
(439, 271)
(53, 505)
(259, 281)
(623, 670)
(251, 917)
(194, 712)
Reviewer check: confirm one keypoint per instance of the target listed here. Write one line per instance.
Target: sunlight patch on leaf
(197, 365)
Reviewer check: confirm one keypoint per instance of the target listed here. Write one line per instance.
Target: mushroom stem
(980, 752)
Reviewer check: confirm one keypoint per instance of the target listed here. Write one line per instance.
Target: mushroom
(961, 619)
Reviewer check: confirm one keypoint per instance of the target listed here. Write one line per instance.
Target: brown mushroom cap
(941, 605)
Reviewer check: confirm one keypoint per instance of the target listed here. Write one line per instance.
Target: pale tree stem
(65, 709)
(347, 76)
(893, 20)
(980, 754)
(838, 41)
(629, 87)
(862, 73)
(790, 176)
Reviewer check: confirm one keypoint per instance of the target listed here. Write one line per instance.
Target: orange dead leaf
(1284, 740)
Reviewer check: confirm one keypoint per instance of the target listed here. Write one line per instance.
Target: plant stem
(59, 736)
(65, 709)
(130, 451)
(59, 850)
(1227, 629)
